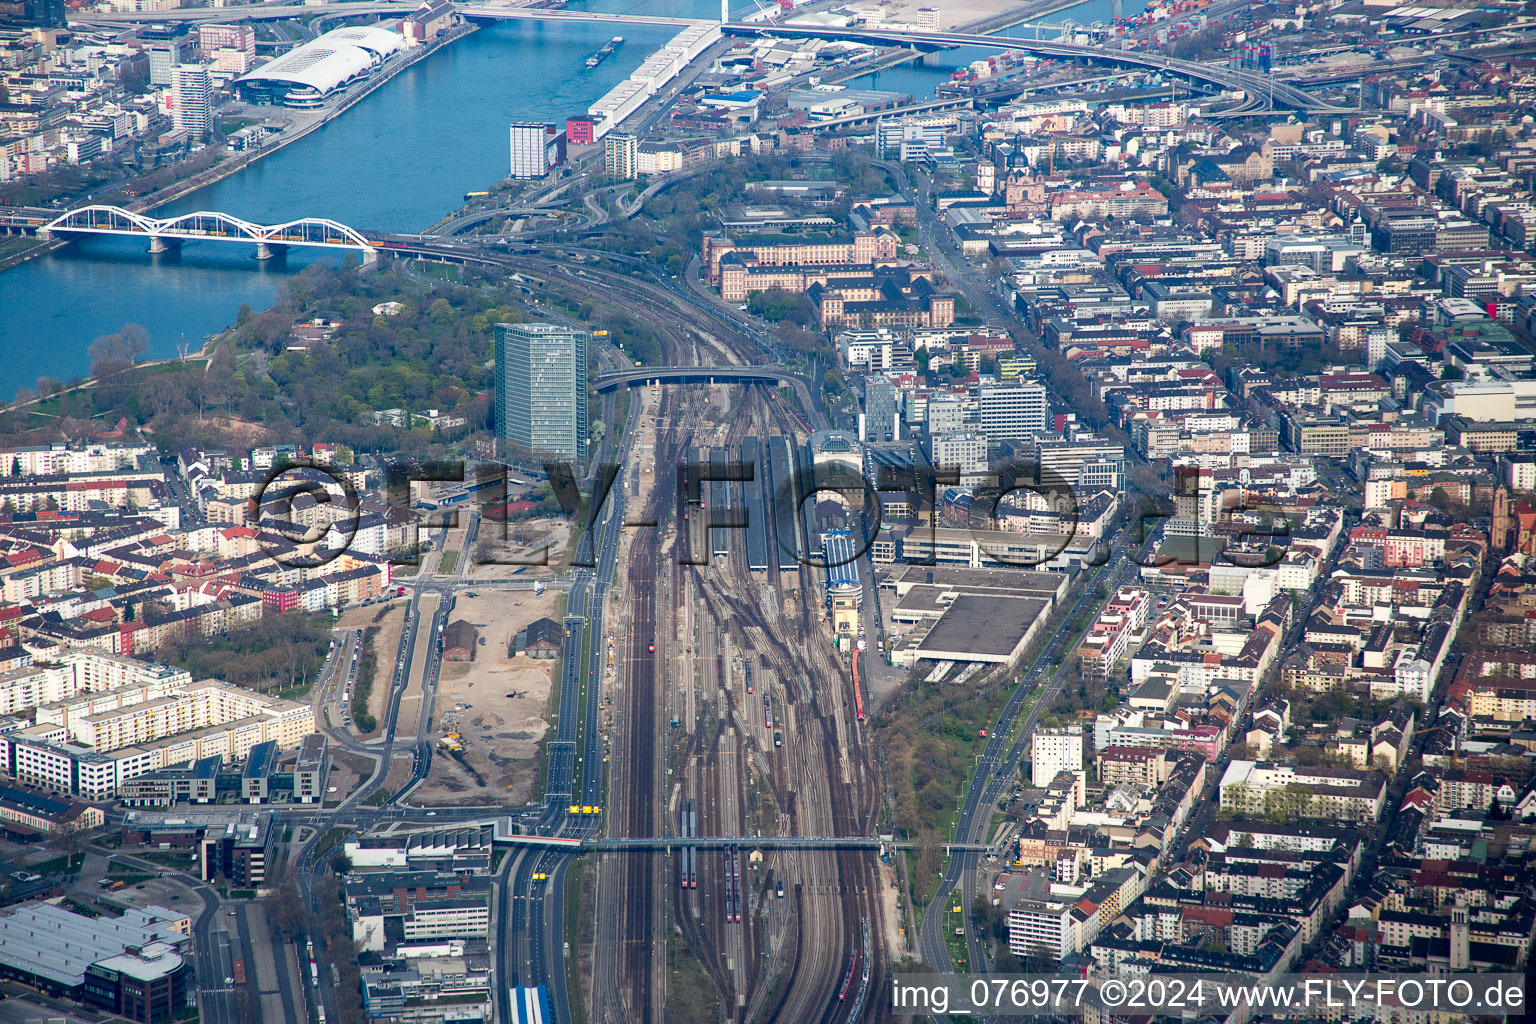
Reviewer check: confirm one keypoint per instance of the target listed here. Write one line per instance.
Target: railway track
(821, 781)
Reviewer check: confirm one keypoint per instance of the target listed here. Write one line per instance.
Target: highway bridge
(1263, 91)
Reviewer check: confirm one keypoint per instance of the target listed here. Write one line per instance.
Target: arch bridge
(164, 233)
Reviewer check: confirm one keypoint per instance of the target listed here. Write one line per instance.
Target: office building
(880, 420)
(1052, 751)
(42, 14)
(240, 850)
(541, 388)
(191, 99)
(960, 452)
(165, 52)
(621, 155)
(130, 966)
(535, 148)
(213, 38)
(1013, 412)
(944, 414)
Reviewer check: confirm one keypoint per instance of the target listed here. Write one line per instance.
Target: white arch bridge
(205, 225)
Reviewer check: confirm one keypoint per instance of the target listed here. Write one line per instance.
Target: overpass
(206, 225)
(573, 845)
(854, 120)
(1262, 90)
(245, 12)
(641, 376)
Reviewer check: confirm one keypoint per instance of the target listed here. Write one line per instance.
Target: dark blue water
(397, 161)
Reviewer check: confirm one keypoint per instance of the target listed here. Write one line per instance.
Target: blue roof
(838, 555)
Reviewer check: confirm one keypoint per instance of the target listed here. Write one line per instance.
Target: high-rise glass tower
(191, 98)
(541, 388)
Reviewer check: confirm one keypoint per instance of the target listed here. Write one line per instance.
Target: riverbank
(240, 161)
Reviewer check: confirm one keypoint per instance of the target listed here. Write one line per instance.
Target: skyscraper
(191, 98)
(541, 388)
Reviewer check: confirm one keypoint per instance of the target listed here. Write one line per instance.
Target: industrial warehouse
(129, 965)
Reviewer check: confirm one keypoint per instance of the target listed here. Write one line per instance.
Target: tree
(287, 912)
(68, 839)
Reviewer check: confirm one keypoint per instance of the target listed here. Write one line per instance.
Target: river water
(397, 161)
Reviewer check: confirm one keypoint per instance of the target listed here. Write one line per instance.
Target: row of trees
(292, 920)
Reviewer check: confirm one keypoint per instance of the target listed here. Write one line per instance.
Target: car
(229, 981)
(231, 913)
(652, 647)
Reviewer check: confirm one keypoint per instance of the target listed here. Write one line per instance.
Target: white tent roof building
(307, 75)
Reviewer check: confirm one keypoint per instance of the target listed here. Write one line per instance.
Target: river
(397, 161)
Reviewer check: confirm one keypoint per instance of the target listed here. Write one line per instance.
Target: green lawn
(55, 865)
(449, 563)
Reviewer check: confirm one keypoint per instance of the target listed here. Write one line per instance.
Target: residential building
(536, 148)
(1052, 751)
(621, 155)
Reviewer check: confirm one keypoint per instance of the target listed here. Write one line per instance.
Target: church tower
(1498, 538)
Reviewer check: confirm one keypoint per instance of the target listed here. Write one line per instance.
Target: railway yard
(728, 702)
(758, 732)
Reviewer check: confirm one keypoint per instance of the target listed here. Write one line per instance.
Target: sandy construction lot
(536, 547)
(498, 705)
